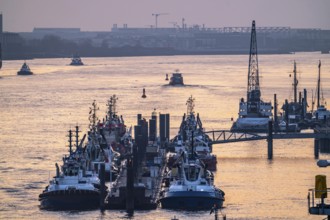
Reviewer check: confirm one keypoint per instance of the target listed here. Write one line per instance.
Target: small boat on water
(176, 79)
(76, 61)
(25, 70)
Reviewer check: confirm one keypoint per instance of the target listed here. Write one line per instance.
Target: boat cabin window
(71, 171)
(192, 173)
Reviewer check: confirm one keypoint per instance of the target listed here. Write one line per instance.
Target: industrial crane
(156, 17)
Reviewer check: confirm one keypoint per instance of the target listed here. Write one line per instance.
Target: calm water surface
(37, 111)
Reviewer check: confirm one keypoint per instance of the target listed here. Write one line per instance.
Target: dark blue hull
(76, 64)
(70, 200)
(24, 73)
(190, 200)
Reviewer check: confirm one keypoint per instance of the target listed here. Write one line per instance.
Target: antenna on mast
(319, 85)
(295, 81)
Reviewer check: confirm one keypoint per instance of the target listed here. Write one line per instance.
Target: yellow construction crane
(156, 17)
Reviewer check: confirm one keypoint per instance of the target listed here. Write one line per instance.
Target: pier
(321, 137)
(138, 183)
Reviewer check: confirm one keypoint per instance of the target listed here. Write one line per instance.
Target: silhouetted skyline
(21, 16)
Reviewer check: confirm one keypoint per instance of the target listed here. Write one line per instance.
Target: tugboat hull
(70, 200)
(176, 79)
(76, 64)
(24, 73)
(189, 200)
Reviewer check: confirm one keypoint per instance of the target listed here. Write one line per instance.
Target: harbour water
(38, 110)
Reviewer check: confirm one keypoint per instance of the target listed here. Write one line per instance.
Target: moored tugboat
(107, 140)
(191, 125)
(189, 185)
(73, 188)
(98, 149)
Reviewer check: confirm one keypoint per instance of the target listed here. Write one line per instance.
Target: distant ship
(176, 79)
(254, 113)
(25, 70)
(76, 61)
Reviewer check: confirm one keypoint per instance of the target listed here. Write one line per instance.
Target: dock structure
(138, 183)
(321, 138)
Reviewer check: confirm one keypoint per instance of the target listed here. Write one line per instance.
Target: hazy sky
(94, 15)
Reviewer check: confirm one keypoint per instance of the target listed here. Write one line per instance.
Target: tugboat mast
(295, 82)
(190, 105)
(92, 116)
(70, 141)
(319, 85)
(77, 137)
(112, 106)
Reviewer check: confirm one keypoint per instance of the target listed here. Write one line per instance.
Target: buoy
(144, 93)
(166, 76)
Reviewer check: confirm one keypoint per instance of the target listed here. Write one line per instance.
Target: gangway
(321, 137)
(227, 136)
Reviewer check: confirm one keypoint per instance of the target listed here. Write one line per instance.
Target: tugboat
(321, 113)
(76, 61)
(192, 125)
(98, 149)
(73, 188)
(189, 185)
(293, 118)
(25, 70)
(108, 140)
(254, 113)
(176, 79)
